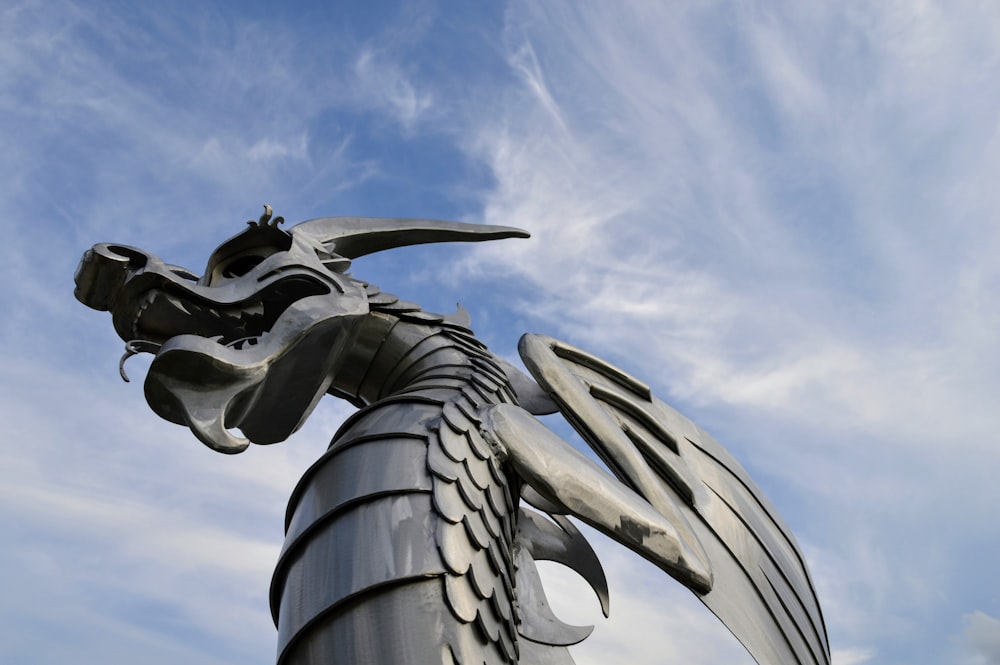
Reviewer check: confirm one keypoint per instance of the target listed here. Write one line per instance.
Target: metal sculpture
(406, 541)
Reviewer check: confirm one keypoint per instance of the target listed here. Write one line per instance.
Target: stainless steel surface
(405, 542)
(761, 588)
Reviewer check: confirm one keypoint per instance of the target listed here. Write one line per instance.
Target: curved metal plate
(762, 591)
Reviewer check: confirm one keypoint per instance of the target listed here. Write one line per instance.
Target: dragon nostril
(136, 258)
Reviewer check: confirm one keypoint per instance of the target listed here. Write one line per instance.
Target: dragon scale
(420, 467)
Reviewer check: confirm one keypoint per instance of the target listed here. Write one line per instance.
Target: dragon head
(255, 341)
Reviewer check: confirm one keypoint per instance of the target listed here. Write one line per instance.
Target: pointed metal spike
(266, 216)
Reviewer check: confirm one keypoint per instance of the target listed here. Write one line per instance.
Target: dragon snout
(102, 272)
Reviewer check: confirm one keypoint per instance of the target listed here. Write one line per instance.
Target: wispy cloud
(384, 86)
(775, 208)
(130, 529)
(783, 217)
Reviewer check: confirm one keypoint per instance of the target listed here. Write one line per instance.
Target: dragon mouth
(162, 314)
(214, 360)
(259, 363)
(251, 346)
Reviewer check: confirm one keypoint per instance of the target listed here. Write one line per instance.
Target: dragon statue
(411, 540)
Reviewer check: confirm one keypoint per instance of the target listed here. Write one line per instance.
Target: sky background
(784, 216)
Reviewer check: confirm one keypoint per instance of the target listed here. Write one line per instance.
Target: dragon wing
(762, 590)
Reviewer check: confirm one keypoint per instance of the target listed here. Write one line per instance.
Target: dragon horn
(352, 237)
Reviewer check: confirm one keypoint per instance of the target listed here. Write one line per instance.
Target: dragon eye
(241, 266)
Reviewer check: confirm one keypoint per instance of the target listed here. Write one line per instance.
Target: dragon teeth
(256, 309)
(179, 304)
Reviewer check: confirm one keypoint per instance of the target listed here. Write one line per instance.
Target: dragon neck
(405, 352)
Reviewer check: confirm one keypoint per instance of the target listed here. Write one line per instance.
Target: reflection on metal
(405, 542)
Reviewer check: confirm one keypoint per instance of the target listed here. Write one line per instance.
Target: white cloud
(653, 618)
(783, 217)
(851, 656)
(156, 521)
(758, 318)
(779, 210)
(134, 135)
(523, 60)
(384, 86)
(266, 149)
(980, 638)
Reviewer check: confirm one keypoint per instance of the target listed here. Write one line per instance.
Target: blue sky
(784, 216)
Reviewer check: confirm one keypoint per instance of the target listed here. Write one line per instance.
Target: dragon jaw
(251, 345)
